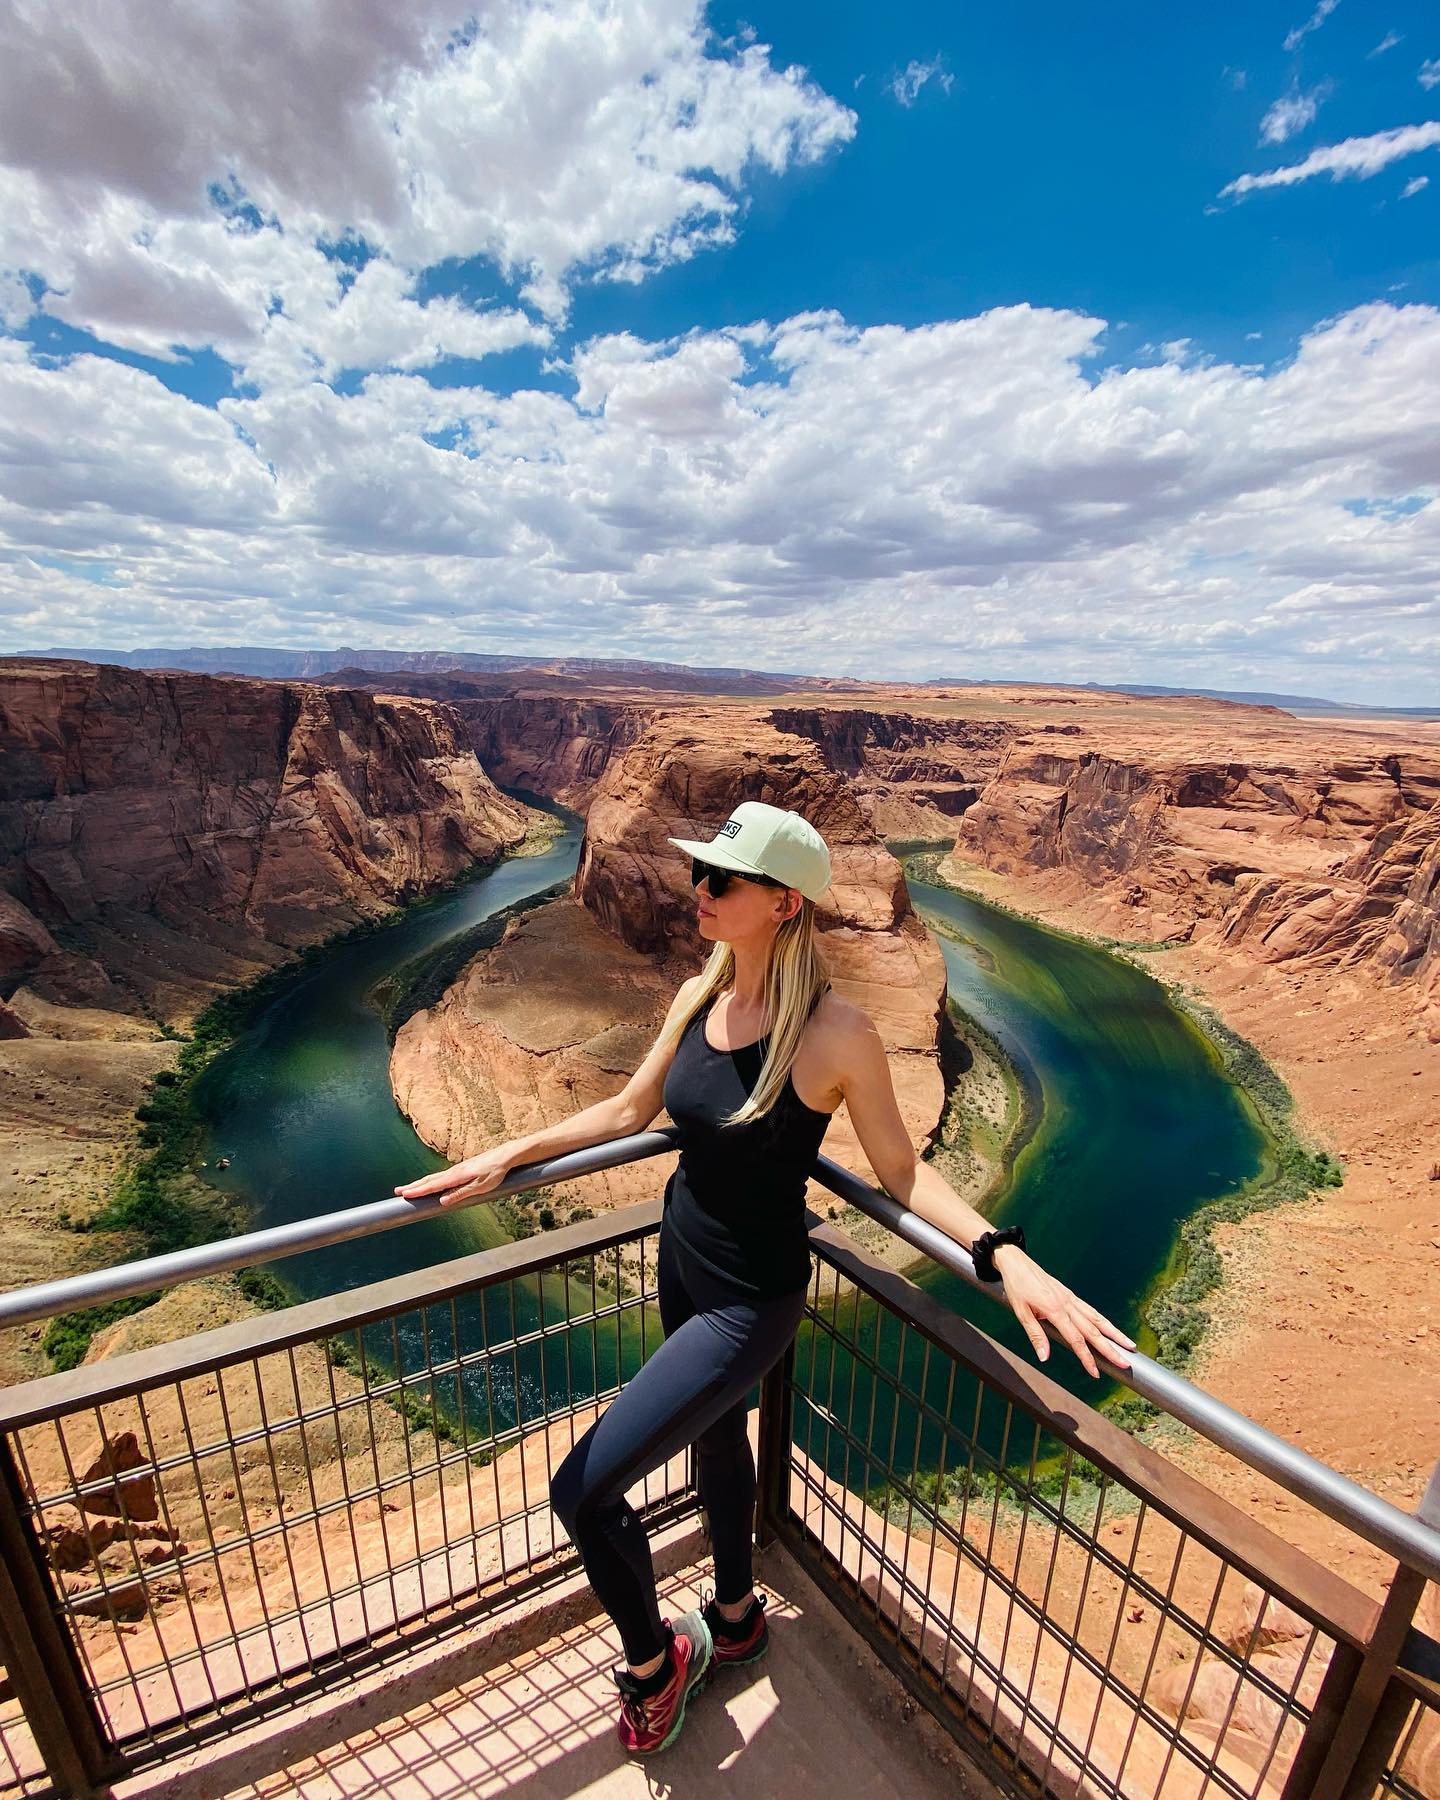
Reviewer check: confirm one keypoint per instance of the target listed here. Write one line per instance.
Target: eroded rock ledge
(1290, 849)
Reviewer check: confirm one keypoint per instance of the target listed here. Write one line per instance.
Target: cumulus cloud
(1414, 185)
(907, 85)
(1388, 42)
(1322, 12)
(1292, 113)
(981, 493)
(225, 149)
(294, 187)
(1429, 73)
(1361, 157)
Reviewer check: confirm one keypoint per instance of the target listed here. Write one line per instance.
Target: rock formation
(522, 1037)
(912, 774)
(165, 836)
(1297, 846)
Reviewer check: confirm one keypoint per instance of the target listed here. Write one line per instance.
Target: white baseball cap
(767, 840)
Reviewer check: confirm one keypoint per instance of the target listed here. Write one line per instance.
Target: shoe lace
(636, 1710)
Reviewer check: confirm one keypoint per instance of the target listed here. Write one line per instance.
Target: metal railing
(201, 1531)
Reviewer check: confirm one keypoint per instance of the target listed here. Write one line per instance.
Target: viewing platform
(312, 1552)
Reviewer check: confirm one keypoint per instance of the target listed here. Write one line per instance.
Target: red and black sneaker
(650, 1722)
(743, 1640)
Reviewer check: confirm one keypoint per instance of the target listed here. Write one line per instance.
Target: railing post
(40, 1657)
(772, 1467)
(1351, 1716)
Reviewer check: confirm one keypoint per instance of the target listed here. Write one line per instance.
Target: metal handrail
(1412, 1538)
(43, 1299)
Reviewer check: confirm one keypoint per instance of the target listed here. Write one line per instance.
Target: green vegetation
(1173, 1312)
(968, 1143)
(1075, 1492)
(160, 1201)
(1294, 1173)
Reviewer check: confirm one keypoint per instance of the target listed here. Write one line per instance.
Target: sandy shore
(1326, 1328)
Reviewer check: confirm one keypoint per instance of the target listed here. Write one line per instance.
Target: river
(1136, 1122)
(1136, 1125)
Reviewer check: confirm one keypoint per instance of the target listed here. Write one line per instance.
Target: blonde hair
(796, 975)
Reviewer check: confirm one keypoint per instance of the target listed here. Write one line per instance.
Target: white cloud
(978, 493)
(1292, 113)
(1361, 157)
(557, 140)
(907, 85)
(1388, 42)
(1414, 185)
(1429, 73)
(1321, 13)
(17, 305)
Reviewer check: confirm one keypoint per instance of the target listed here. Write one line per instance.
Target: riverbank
(154, 1196)
(1172, 1319)
(1325, 1323)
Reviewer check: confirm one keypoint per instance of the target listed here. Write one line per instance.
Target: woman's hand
(1035, 1296)
(462, 1180)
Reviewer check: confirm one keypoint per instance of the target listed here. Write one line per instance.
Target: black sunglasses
(720, 879)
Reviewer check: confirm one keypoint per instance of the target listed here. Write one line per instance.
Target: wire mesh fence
(1091, 1619)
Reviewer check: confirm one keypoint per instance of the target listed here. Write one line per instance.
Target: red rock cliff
(554, 743)
(172, 834)
(912, 774)
(1297, 845)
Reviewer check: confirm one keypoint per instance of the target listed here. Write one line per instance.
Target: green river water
(1133, 1125)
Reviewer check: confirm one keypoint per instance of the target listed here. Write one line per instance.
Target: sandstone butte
(522, 1037)
(166, 836)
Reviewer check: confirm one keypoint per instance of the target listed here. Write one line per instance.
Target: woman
(756, 1053)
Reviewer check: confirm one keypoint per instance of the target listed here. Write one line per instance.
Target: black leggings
(718, 1343)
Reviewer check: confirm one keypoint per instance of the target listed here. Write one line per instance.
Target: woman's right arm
(630, 1110)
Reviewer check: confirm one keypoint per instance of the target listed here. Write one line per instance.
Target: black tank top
(736, 1200)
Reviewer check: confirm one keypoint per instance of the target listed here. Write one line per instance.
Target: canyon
(163, 840)
(1311, 842)
(165, 837)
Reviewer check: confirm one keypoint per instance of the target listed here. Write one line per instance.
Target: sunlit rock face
(164, 836)
(1297, 846)
(912, 775)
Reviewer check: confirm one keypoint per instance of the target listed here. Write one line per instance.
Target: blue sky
(725, 455)
(1071, 163)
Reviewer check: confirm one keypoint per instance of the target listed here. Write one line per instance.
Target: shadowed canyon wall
(163, 837)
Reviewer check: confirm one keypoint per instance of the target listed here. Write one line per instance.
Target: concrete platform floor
(526, 1704)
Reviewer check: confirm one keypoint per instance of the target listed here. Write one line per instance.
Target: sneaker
(650, 1722)
(752, 1642)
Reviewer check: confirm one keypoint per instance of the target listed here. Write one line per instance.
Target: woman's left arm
(863, 1075)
